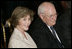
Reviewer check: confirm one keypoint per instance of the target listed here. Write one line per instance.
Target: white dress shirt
(18, 40)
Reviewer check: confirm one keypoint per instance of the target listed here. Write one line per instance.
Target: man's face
(49, 17)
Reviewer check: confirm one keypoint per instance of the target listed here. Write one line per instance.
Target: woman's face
(24, 23)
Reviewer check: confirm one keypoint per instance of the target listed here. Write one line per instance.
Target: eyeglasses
(51, 15)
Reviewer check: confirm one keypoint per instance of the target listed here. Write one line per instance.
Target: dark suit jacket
(42, 35)
(64, 27)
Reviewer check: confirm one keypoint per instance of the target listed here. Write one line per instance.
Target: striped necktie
(54, 34)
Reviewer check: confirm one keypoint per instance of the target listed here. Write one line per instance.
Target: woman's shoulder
(16, 35)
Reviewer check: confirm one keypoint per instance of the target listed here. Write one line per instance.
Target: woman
(21, 19)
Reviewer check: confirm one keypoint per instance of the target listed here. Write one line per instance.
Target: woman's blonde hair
(20, 12)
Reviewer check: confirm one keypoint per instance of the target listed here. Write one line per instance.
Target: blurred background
(63, 22)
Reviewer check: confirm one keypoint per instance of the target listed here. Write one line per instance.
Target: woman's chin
(26, 29)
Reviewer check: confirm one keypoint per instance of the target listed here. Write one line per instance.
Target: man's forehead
(50, 10)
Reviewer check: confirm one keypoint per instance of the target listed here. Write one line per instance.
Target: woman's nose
(28, 22)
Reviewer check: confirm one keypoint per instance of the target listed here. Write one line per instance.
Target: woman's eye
(24, 19)
(29, 19)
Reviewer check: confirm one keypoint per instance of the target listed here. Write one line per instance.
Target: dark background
(7, 8)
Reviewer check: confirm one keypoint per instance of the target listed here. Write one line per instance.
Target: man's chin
(54, 23)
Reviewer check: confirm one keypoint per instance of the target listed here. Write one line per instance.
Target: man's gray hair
(41, 8)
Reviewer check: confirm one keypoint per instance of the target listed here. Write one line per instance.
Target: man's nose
(54, 17)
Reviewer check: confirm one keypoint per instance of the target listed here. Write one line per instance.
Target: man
(42, 32)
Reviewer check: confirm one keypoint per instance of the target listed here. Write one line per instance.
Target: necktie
(54, 34)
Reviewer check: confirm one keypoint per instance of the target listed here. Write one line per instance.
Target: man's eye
(51, 15)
